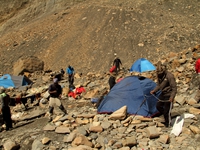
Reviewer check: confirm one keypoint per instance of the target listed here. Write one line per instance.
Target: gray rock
(94, 136)
(69, 138)
(37, 145)
(82, 130)
(62, 129)
(10, 145)
(49, 127)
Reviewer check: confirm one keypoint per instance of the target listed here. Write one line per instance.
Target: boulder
(29, 64)
(119, 114)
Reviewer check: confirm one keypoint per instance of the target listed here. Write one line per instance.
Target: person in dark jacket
(62, 72)
(168, 87)
(5, 100)
(55, 92)
(112, 80)
(117, 62)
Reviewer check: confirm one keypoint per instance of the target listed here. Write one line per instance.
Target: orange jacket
(197, 66)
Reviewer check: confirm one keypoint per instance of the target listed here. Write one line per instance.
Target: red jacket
(197, 66)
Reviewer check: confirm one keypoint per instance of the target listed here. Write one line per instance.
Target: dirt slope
(87, 33)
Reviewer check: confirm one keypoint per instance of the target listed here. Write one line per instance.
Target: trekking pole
(139, 107)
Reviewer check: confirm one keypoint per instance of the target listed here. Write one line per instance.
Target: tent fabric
(142, 65)
(130, 92)
(8, 80)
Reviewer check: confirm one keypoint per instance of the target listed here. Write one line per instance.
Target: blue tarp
(130, 92)
(7, 81)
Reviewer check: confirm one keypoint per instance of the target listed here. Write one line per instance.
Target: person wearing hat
(5, 100)
(167, 86)
(55, 92)
(112, 80)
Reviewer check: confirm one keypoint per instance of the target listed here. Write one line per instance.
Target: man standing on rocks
(5, 100)
(55, 92)
(117, 62)
(197, 69)
(70, 72)
(167, 85)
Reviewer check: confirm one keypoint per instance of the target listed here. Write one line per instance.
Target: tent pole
(140, 107)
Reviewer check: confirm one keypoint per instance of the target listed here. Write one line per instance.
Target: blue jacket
(70, 70)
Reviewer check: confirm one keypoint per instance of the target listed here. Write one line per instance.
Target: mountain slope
(86, 34)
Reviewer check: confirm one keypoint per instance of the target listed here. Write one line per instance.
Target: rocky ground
(83, 129)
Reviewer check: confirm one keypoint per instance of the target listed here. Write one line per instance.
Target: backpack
(112, 69)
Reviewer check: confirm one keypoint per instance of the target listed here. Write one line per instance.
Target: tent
(8, 80)
(132, 91)
(142, 65)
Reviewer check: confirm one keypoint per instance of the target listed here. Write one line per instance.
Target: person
(197, 69)
(70, 72)
(62, 71)
(168, 87)
(101, 98)
(55, 92)
(117, 62)
(111, 80)
(5, 100)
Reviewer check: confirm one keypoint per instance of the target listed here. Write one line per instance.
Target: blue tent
(131, 91)
(142, 65)
(7, 81)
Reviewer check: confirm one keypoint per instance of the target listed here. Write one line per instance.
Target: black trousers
(165, 109)
(111, 82)
(117, 69)
(7, 117)
(71, 79)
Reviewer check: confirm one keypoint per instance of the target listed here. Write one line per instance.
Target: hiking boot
(9, 129)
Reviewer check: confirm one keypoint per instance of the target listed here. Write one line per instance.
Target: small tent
(7, 81)
(132, 91)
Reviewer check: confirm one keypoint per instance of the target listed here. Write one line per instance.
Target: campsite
(127, 109)
(40, 38)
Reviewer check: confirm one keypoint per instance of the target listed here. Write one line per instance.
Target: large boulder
(29, 64)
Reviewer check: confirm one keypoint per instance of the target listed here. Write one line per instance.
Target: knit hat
(160, 68)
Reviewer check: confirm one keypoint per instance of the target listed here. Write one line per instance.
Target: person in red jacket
(197, 66)
(197, 69)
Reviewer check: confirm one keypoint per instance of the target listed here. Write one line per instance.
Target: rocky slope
(87, 33)
(84, 129)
